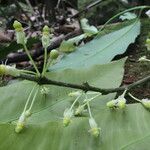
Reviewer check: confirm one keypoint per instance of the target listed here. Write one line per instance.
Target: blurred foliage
(13, 46)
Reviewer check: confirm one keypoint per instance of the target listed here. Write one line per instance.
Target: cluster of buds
(120, 102)
(46, 36)
(20, 34)
(95, 130)
(68, 113)
(9, 70)
(22, 121)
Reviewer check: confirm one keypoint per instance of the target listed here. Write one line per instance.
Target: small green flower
(46, 37)
(79, 110)
(120, 102)
(46, 30)
(67, 117)
(21, 123)
(146, 103)
(95, 131)
(20, 34)
(9, 70)
(17, 26)
(112, 103)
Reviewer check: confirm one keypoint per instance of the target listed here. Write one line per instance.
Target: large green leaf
(44, 128)
(100, 50)
(125, 130)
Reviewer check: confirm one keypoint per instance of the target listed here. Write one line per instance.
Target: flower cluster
(120, 102)
(69, 112)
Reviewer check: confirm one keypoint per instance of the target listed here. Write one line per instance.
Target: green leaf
(124, 130)
(128, 16)
(100, 50)
(44, 127)
(70, 45)
(88, 30)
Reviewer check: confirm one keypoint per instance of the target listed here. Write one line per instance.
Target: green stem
(32, 61)
(127, 10)
(89, 100)
(138, 100)
(124, 93)
(74, 102)
(45, 60)
(50, 62)
(27, 71)
(33, 100)
(25, 108)
(89, 109)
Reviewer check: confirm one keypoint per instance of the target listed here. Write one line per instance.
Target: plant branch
(85, 86)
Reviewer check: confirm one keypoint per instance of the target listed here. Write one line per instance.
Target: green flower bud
(79, 111)
(111, 104)
(46, 29)
(21, 123)
(8, 70)
(20, 35)
(146, 103)
(54, 54)
(19, 127)
(95, 131)
(121, 103)
(66, 121)
(17, 25)
(67, 117)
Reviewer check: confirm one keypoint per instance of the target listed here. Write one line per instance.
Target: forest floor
(135, 70)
